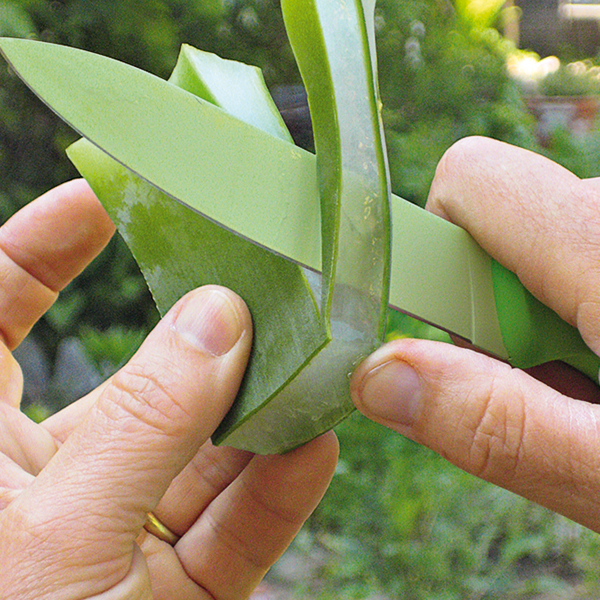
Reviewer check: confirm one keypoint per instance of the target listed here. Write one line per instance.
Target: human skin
(75, 490)
(499, 423)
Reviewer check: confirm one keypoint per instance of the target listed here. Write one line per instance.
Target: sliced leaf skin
(178, 250)
(332, 47)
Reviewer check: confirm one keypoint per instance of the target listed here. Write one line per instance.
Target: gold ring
(158, 529)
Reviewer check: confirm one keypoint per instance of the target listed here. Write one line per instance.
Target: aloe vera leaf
(178, 249)
(293, 416)
(330, 41)
(237, 88)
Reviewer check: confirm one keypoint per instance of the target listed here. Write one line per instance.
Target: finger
(11, 378)
(25, 449)
(532, 215)
(23, 441)
(247, 527)
(91, 501)
(168, 578)
(490, 420)
(42, 248)
(212, 469)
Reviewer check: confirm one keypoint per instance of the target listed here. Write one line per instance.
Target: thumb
(493, 421)
(88, 505)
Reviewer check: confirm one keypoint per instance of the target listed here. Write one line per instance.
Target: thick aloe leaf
(178, 250)
(353, 297)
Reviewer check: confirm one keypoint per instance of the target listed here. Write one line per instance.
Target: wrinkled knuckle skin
(496, 434)
(463, 153)
(143, 395)
(459, 159)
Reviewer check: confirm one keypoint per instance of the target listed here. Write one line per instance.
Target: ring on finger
(158, 529)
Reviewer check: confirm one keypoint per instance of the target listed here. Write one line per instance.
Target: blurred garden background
(398, 522)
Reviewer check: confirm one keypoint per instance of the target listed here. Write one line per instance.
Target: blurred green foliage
(442, 80)
(571, 80)
(398, 520)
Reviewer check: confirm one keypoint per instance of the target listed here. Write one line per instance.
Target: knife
(438, 274)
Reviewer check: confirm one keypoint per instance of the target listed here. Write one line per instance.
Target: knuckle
(145, 395)
(458, 161)
(462, 155)
(240, 546)
(7, 497)
(496, 433)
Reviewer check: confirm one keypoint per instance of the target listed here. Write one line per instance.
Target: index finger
(91, 500)
(42, 248)
(535, 217)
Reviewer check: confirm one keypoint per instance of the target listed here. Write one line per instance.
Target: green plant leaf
(178, 249)
(355, 226)
(235, 87)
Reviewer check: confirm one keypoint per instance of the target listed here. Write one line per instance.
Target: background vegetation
(398, 520)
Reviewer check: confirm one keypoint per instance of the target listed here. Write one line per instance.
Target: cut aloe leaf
(355, 223)
(178, 250)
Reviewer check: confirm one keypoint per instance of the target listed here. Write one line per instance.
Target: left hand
(75, 489)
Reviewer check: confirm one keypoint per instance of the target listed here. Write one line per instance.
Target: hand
(75, 491)
(498, 423)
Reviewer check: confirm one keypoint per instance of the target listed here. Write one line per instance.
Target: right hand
(499, 423)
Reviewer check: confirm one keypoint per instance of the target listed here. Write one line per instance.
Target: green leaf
(178, 250)
(235, 87)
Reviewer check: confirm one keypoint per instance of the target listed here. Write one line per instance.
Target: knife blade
(439, 273)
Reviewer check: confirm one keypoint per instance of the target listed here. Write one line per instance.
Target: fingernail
(392, 392)
(209, 321)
